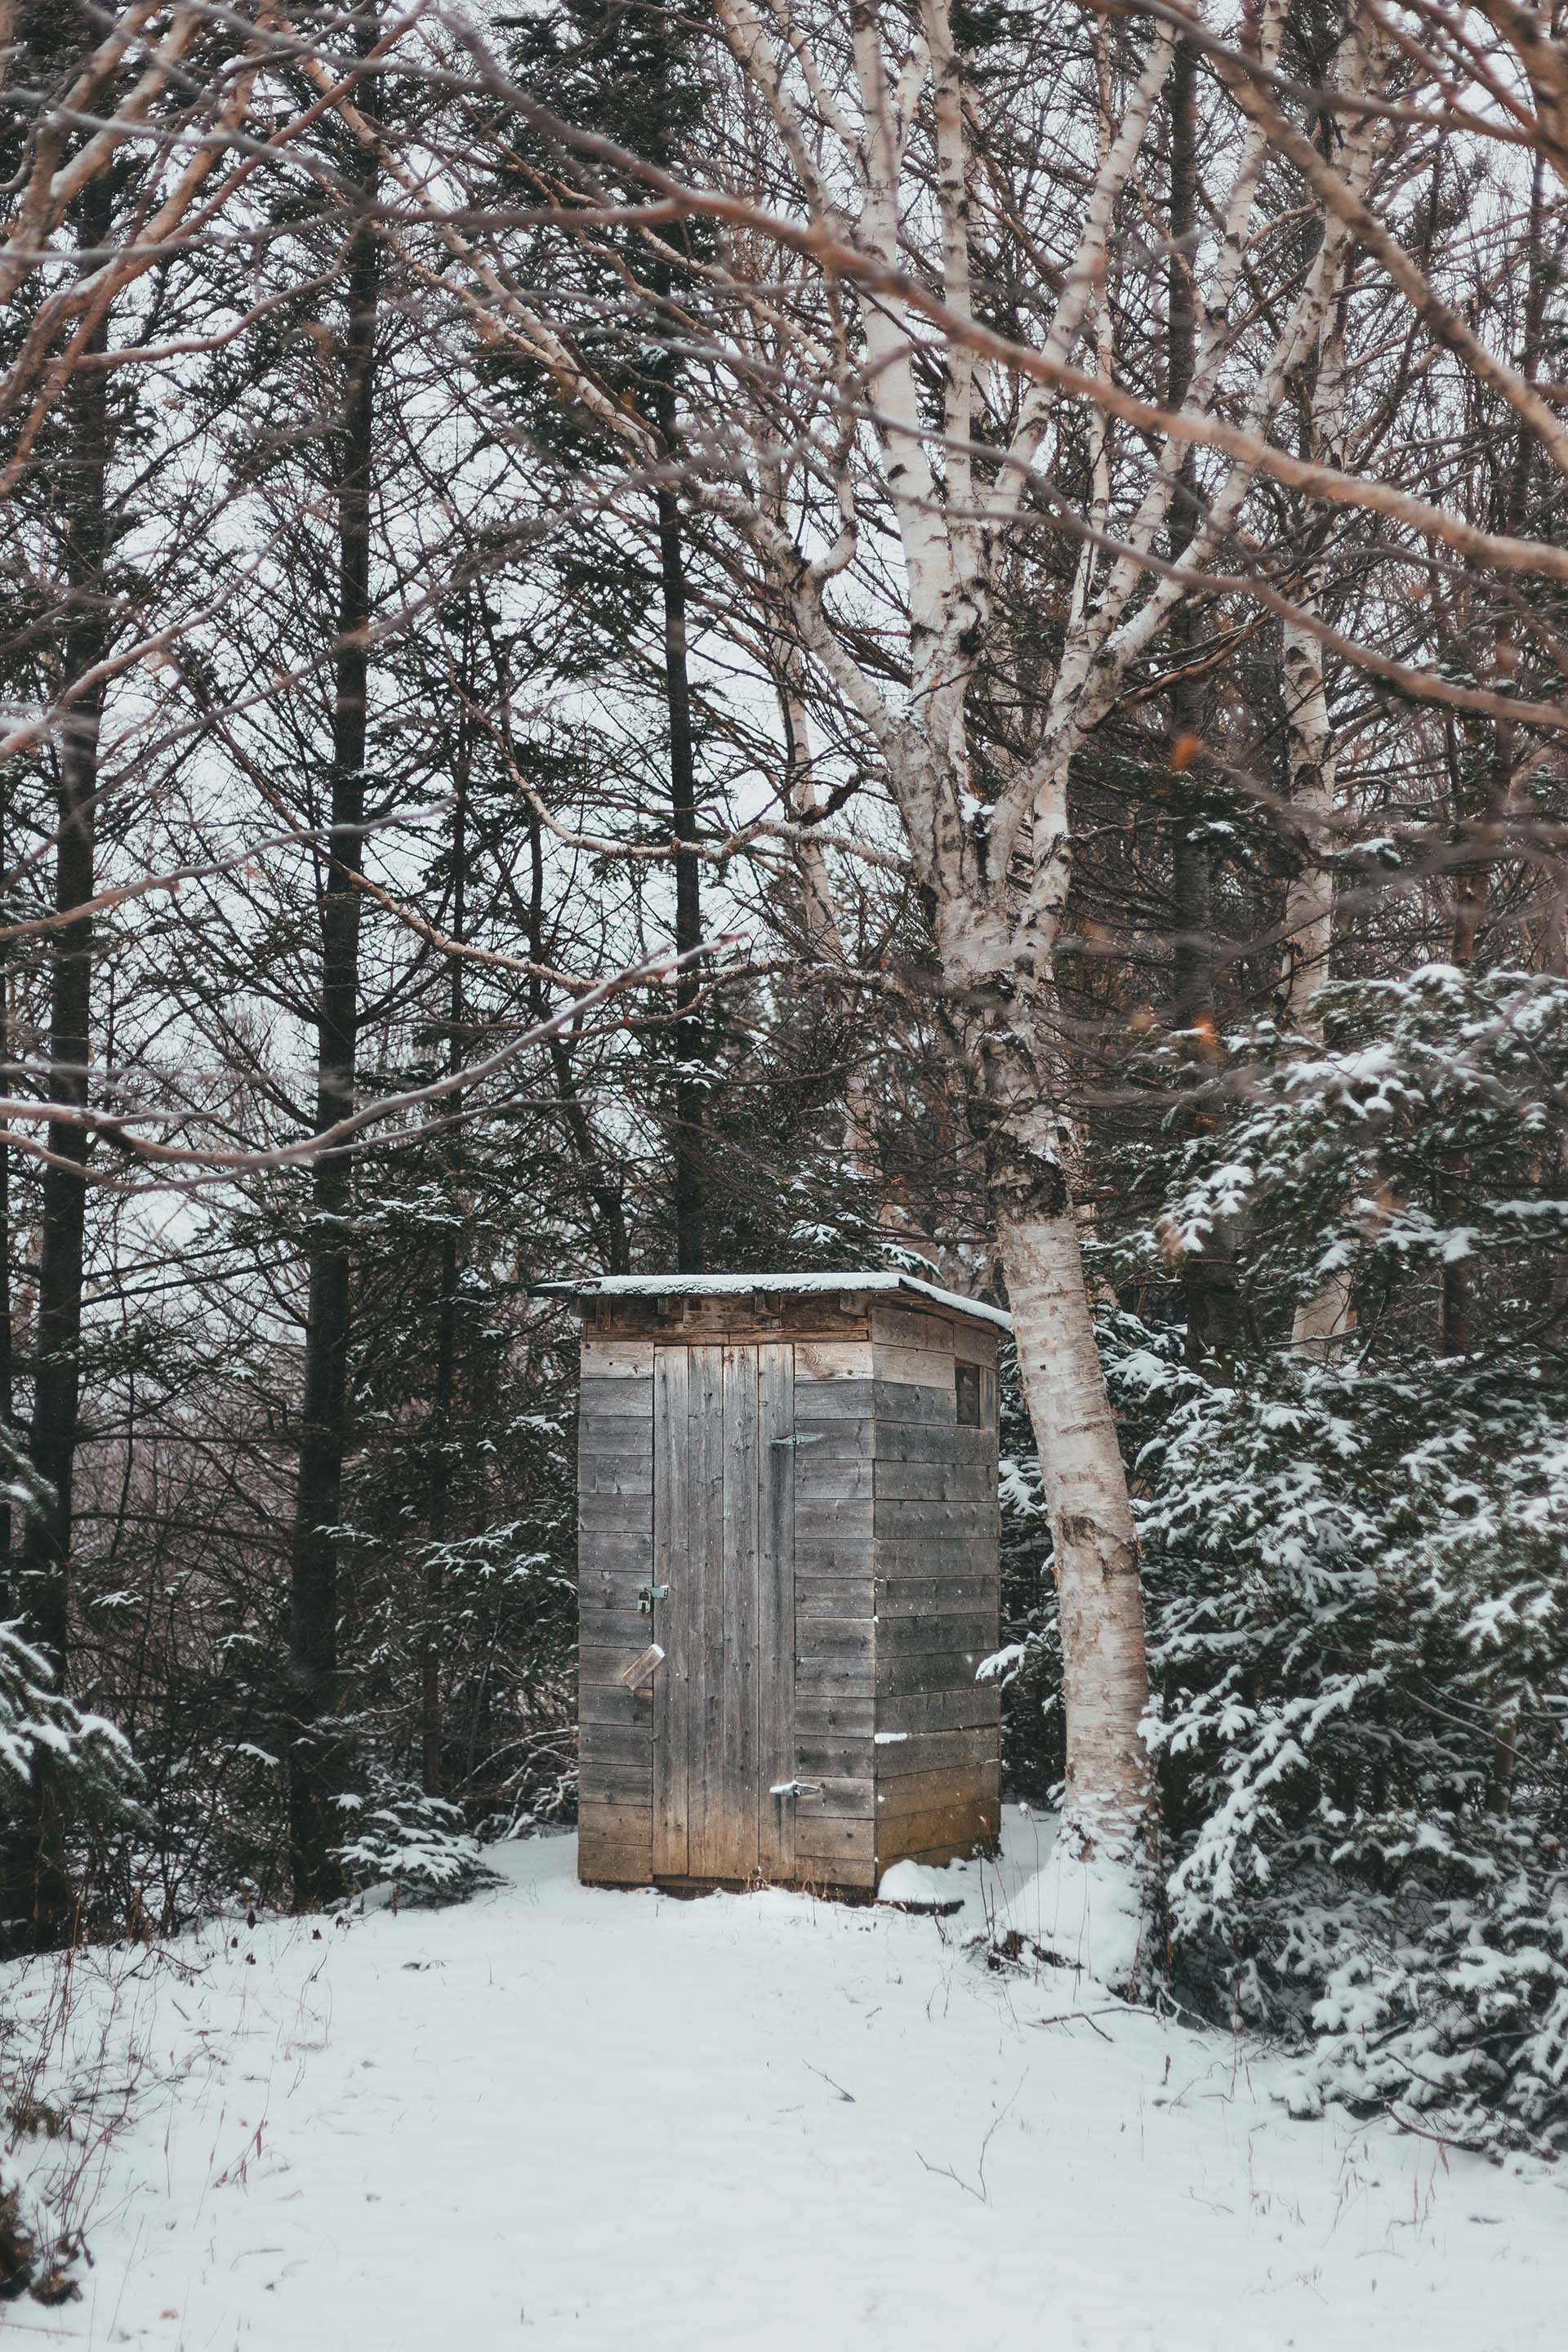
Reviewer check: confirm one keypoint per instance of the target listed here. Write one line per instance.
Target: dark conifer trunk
(8, 1599)
(1208, 1275)
(443, 1403)
(315, 1747)
(691, 1208)
(1473, 880)
(35, 1864)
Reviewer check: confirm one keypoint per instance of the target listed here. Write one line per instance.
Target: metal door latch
(795, 1788)
(647, 1594)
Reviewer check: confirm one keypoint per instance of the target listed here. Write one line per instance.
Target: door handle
(643, 1670)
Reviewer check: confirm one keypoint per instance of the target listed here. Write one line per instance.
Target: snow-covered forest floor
(579, 2117)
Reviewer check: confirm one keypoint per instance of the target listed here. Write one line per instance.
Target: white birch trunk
(1105, 1679)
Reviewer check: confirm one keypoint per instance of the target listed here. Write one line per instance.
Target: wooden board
(930, 1441)
(834, 1714)
(837, 1797)
(913, 1754)
(701, 1588)
(776, 1607)
(897, 1637)
(615, 1440)
(924, 1521)
(833, 1596)
(959, 1827)
(972, 1707)
(825, 1839)
(921, 1792)
(936, 1482)
(607, 1360)
(718, 1514)
(671, 1546)
(926, 1367)
(936, 1596)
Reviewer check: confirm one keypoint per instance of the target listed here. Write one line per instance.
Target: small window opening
(967, 1378)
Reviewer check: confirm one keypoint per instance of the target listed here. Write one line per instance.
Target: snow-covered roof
(735, 1286)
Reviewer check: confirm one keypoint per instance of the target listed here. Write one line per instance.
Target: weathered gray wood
(934, 1856)
(960, 1827)
(831, 1712)
(672, 1616)
(624, 1823)
(937, 1482)
(940, 1596)
(914, 1753)
(775, 1606)
(705, 1479)
(834, 1759)
(629, 1398)
(922, 1792)
(925, 1520)
(842, 1797)
(604, 1628)
(817, 1592)
(615, 1513)
(620, 1440)
(818, 1401)
(606, 1551)
(926, 1670)
(908, 1326)
(831, 1838)
(833, 1478)
(615, 1589)
(847, 1555)
(929, 1368)
(835, 1437)
(936, 1556)
(917, 1402)
(822, 1673)
(833, 1596)
(833, 1522)
(898, 1637)
(973, 1705)
(615, 1474)
(607, 1862)
(973, 1343)
(621, 1783)
(616, 1743)
(736, 1664)
(611, 1704)
(839, 1637)
(907, 1441)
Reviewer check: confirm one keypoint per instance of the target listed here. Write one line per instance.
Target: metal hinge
(795, 1788)
(815, 1439)
(647, 1594)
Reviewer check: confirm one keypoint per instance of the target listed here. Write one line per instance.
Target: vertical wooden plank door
(723, 1609)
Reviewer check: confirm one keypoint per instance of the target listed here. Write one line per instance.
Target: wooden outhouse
(788, 1576)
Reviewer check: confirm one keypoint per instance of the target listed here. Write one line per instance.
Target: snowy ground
(596, 2119)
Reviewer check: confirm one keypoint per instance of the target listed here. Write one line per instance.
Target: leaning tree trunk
(315, 1758)
(1105, 1676)
(1110, 1807)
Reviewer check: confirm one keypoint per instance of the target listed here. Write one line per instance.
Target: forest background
(799, 637)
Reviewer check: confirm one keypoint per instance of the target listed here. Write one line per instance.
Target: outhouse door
(724, 1610)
